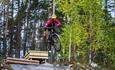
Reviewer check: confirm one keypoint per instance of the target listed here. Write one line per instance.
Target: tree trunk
(4, 39)
(70, 44)
(18, 34)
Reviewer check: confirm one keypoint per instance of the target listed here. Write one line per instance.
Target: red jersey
(51, 22)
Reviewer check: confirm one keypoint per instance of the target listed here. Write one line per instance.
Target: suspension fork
(49, 40)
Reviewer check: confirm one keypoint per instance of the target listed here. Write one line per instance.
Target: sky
(112, 9)
(113, 13)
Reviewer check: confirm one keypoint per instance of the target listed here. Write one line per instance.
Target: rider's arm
(48, 22)
(58, 23)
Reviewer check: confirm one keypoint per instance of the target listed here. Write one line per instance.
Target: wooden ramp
(31, 55)
(20, 61)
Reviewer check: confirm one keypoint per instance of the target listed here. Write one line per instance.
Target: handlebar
(44, 27)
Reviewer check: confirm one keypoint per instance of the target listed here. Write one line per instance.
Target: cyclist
(53, 22)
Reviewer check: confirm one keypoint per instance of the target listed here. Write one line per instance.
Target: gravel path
(38, 67)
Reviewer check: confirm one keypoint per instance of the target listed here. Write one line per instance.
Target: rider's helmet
(53, 17)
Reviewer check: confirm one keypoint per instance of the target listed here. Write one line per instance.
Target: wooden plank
(20, 61)
(39, 53)
(17, 59)
(36, 54)
(24, 60)
(38, 57)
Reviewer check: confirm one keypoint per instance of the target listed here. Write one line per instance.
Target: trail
(45, 66)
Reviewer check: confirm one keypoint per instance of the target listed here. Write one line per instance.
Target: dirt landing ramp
(45, 66)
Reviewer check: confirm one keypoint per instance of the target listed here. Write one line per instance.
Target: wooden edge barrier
(20, 61)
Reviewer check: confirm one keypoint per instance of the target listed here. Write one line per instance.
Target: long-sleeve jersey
(51, 22)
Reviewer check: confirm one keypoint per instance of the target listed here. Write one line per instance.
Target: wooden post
(53, 7)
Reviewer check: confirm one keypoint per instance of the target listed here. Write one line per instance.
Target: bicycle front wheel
(56, 42)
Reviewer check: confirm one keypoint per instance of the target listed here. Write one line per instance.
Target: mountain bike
(53, 44)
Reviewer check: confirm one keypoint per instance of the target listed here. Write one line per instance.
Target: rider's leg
(46, 38)
(46, 34)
